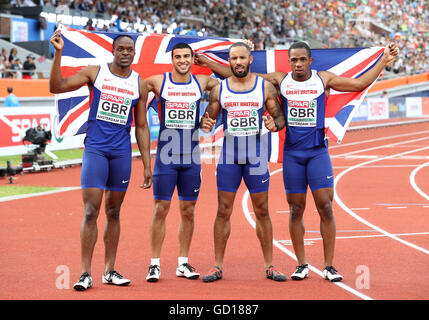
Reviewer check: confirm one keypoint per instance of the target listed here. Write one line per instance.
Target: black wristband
(277, 126)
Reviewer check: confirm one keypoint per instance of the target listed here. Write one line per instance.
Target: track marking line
(378, 139)
(290, 253)
(413, 181)
(37, 194)
(395, 144)
(371, 236)
(357, 217)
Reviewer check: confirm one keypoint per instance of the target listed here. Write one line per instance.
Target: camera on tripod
(40, 137)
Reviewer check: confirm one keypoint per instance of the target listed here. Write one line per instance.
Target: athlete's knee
(224, 210)
(296, 210)
(91, 212)
(112, 213)
(161, 209)
(187, 211)
(325, 211)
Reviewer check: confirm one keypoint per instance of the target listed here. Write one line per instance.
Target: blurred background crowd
(275, 24)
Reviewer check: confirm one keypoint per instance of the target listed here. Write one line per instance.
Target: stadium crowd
(273, 23)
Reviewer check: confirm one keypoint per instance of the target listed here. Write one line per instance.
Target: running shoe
(274, 274)
(300, 273)
(187, 271)
(154, 273)
(214, 274)
(85, 282)
(115, 278)
(331, 274)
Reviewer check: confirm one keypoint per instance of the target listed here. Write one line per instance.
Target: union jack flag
(340, 106)
(153, 56)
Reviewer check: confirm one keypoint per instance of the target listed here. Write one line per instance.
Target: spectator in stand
(29, 65)
(13, 54)
(11, 100)
(15, 65)
(277, 23)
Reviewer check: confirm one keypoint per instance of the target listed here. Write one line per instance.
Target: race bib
(243, 122)
(113, 108)
(180, 115)
(302, 113)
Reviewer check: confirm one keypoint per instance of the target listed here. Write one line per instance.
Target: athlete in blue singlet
(242, 99)
(177, 161)
(116, 93)
(306, 161)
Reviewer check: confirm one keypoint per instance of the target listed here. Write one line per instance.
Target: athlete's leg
(92, 198)
(222, 225)
(188, 189)
(321, 181)
(323, 199)
(112, 228)
(264, 229)
(157, 226)
(116, 187)
(186, 226)
(295, 181)
(296, 203)
(94, 175)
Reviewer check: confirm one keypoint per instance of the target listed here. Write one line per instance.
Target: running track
(381, 212)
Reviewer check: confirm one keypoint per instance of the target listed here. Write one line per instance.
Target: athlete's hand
(390, 52)
(57, 40)
(269, 123)
(250, 44)
(201, 60)
(207, 123)
(148, 179)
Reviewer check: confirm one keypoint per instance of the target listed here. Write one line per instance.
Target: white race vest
(242, 109)
(302, 100)
(181, 100)
(116, 95)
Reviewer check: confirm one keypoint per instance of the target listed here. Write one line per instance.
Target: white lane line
(395, 144)
(30, 195)
(357, 217)
(413, 181)
(369, 236)
(290, 253)
(378, 139)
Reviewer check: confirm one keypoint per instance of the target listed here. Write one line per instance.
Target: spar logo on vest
(114, 108)
(180, 115)
(302, 113)
(243, 122)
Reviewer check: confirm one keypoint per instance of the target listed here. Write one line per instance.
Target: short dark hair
(300, 45)
(182, 45)
(239, 44)
(120, 36)
(9, 89)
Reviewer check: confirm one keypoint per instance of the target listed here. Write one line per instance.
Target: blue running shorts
(186, 175)
(105, 170)
(303, 168)
(256, 177)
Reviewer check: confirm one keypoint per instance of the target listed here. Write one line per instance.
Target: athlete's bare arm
(142, 132)
(58, 84)
(274, 77)
(335, 82)
(208, 120)
(275, 121)
(154, 84)
(207, 83)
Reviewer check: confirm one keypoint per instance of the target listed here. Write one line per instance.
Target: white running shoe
(331, 274)
(300, 273)
(154, 273)
(186, 270)
(115, 278)
(85, 282)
